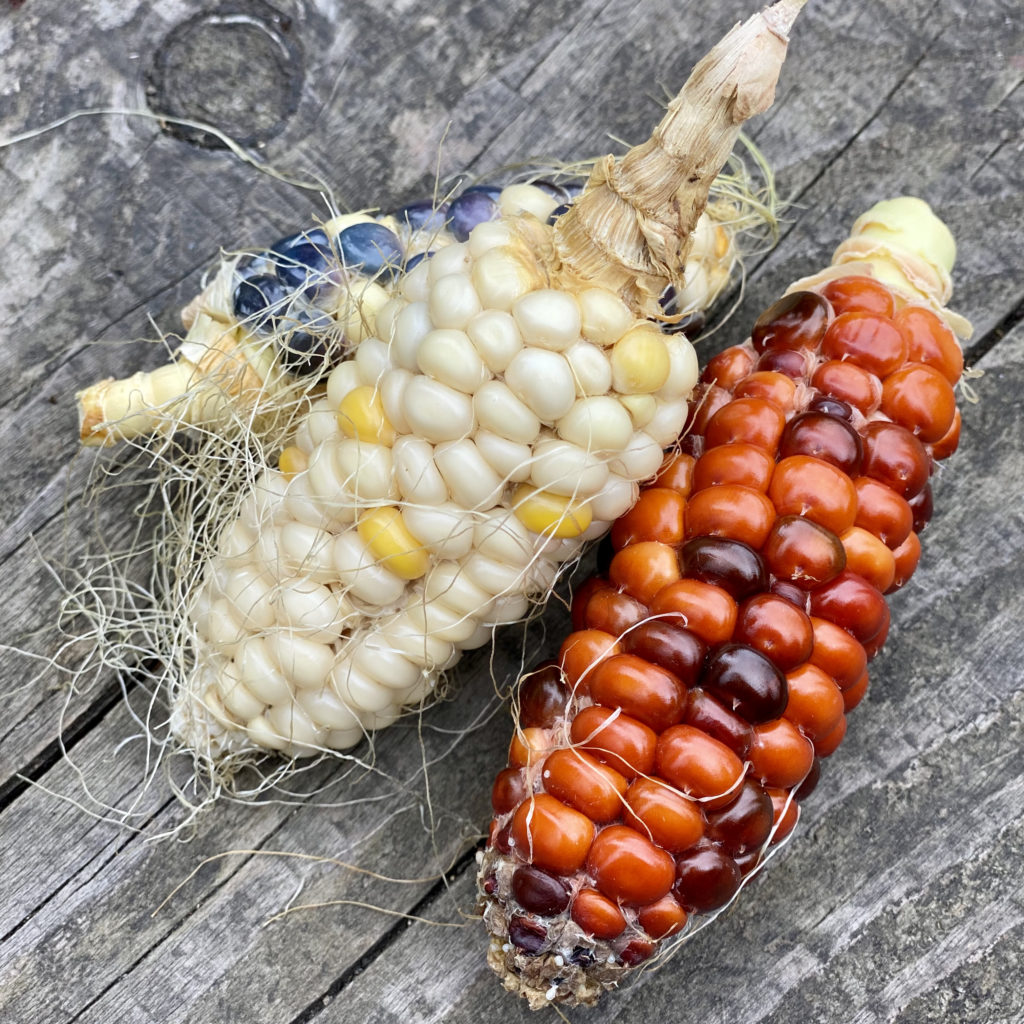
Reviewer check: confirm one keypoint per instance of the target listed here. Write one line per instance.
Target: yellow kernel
(361, 415)
(721, 241)
(388, 539)
(640, 361)
(551, 514)
(292, 461)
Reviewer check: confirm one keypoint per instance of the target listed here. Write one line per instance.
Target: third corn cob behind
(661, 757)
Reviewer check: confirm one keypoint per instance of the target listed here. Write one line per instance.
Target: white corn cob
(511, 397)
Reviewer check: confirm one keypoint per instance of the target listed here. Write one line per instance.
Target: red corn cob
(713, 663)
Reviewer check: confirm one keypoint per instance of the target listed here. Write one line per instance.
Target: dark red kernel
(807, 787)
(708, 714)
(706, 879)
(797, 320)
(792, 362)
(746, 682)
(542, 696)
(746, 823)
(730, 564)
(526, 935)
(539, 892)
(824, 437)
(922, 507)
(672, 647)
(636, 952)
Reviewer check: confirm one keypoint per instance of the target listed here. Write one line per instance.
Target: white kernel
(640, 459)
(437, 412)
(302, 506)
(445, 529)
(294, 726)
(516, 199)
(305, 662)
(472, 482)
(415, 286)
(450, 357)
(358, 570)
(341, 380)
(447, 582)
(387, 318)
(500, 535)
(453, 301)
(358, 316)
(327, 710)
(324, 484)
(401, 633)
(544, 381)
(667, 422)
(249, 592)
(566, 469)
(493, 576)
(392, 390)
(236, 544)
(237, 698)
(436, 619)
(501, 412)
(617, 495)
(359, 690)
(496, 337)
(696, 290)
(597, 424)
(509, 608)
(306, 550)
(224, 628)
(373, 358)
(483, 634)
(310, 609)
(452, 259)
(322, 421)
(684, 369)
(501, 276)
(591, 370)
(374, 657)
(365, 470)
(259, 671)
(548, 318)
(419, 481)
(488, 235)
(509, 459)
(262, 734)
(411, 327)
(605, 316)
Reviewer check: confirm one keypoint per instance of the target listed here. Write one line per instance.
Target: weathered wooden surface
(900, 901)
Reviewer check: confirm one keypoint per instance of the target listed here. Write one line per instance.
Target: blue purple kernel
(473, 207)
(372, 248)
(422, 215)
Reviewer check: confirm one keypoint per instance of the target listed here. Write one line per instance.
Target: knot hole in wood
(236, 68)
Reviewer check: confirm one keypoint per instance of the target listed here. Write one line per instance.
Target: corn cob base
(660, 761)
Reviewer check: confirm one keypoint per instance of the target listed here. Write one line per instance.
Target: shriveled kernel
(640, 361)
(550, 514)
(387, 537)
(361, 415)
(548, 318)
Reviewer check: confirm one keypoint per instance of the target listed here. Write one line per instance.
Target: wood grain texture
(900, 899)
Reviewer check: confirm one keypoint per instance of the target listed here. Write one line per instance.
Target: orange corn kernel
(551, 835)
(785, 813)
(658, 515)
(729, 367)
(581, 652)
(867, 556)
(755, 421)
(644, 568)
(613, 612)
(829, 743)
(643, 691)
(930, 341)
(661, 813)
(676, 473)
(740, 463)
(617, 740)
(703, 608)
(698, 765)
(859, 294)
(883, 512)
(780, 754)
(950, 441)
(581, 781)
(597, 915)
(850, 384)
(870, 341)
(662, 918)
(777, 628)
(815, 704)
(628, 867)
(769, 384)
(730, 510)
(919, 397)
(802, 552)
(906, 556)
(853, 695)
(815, 489)
(837, 653)
(528, 747)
